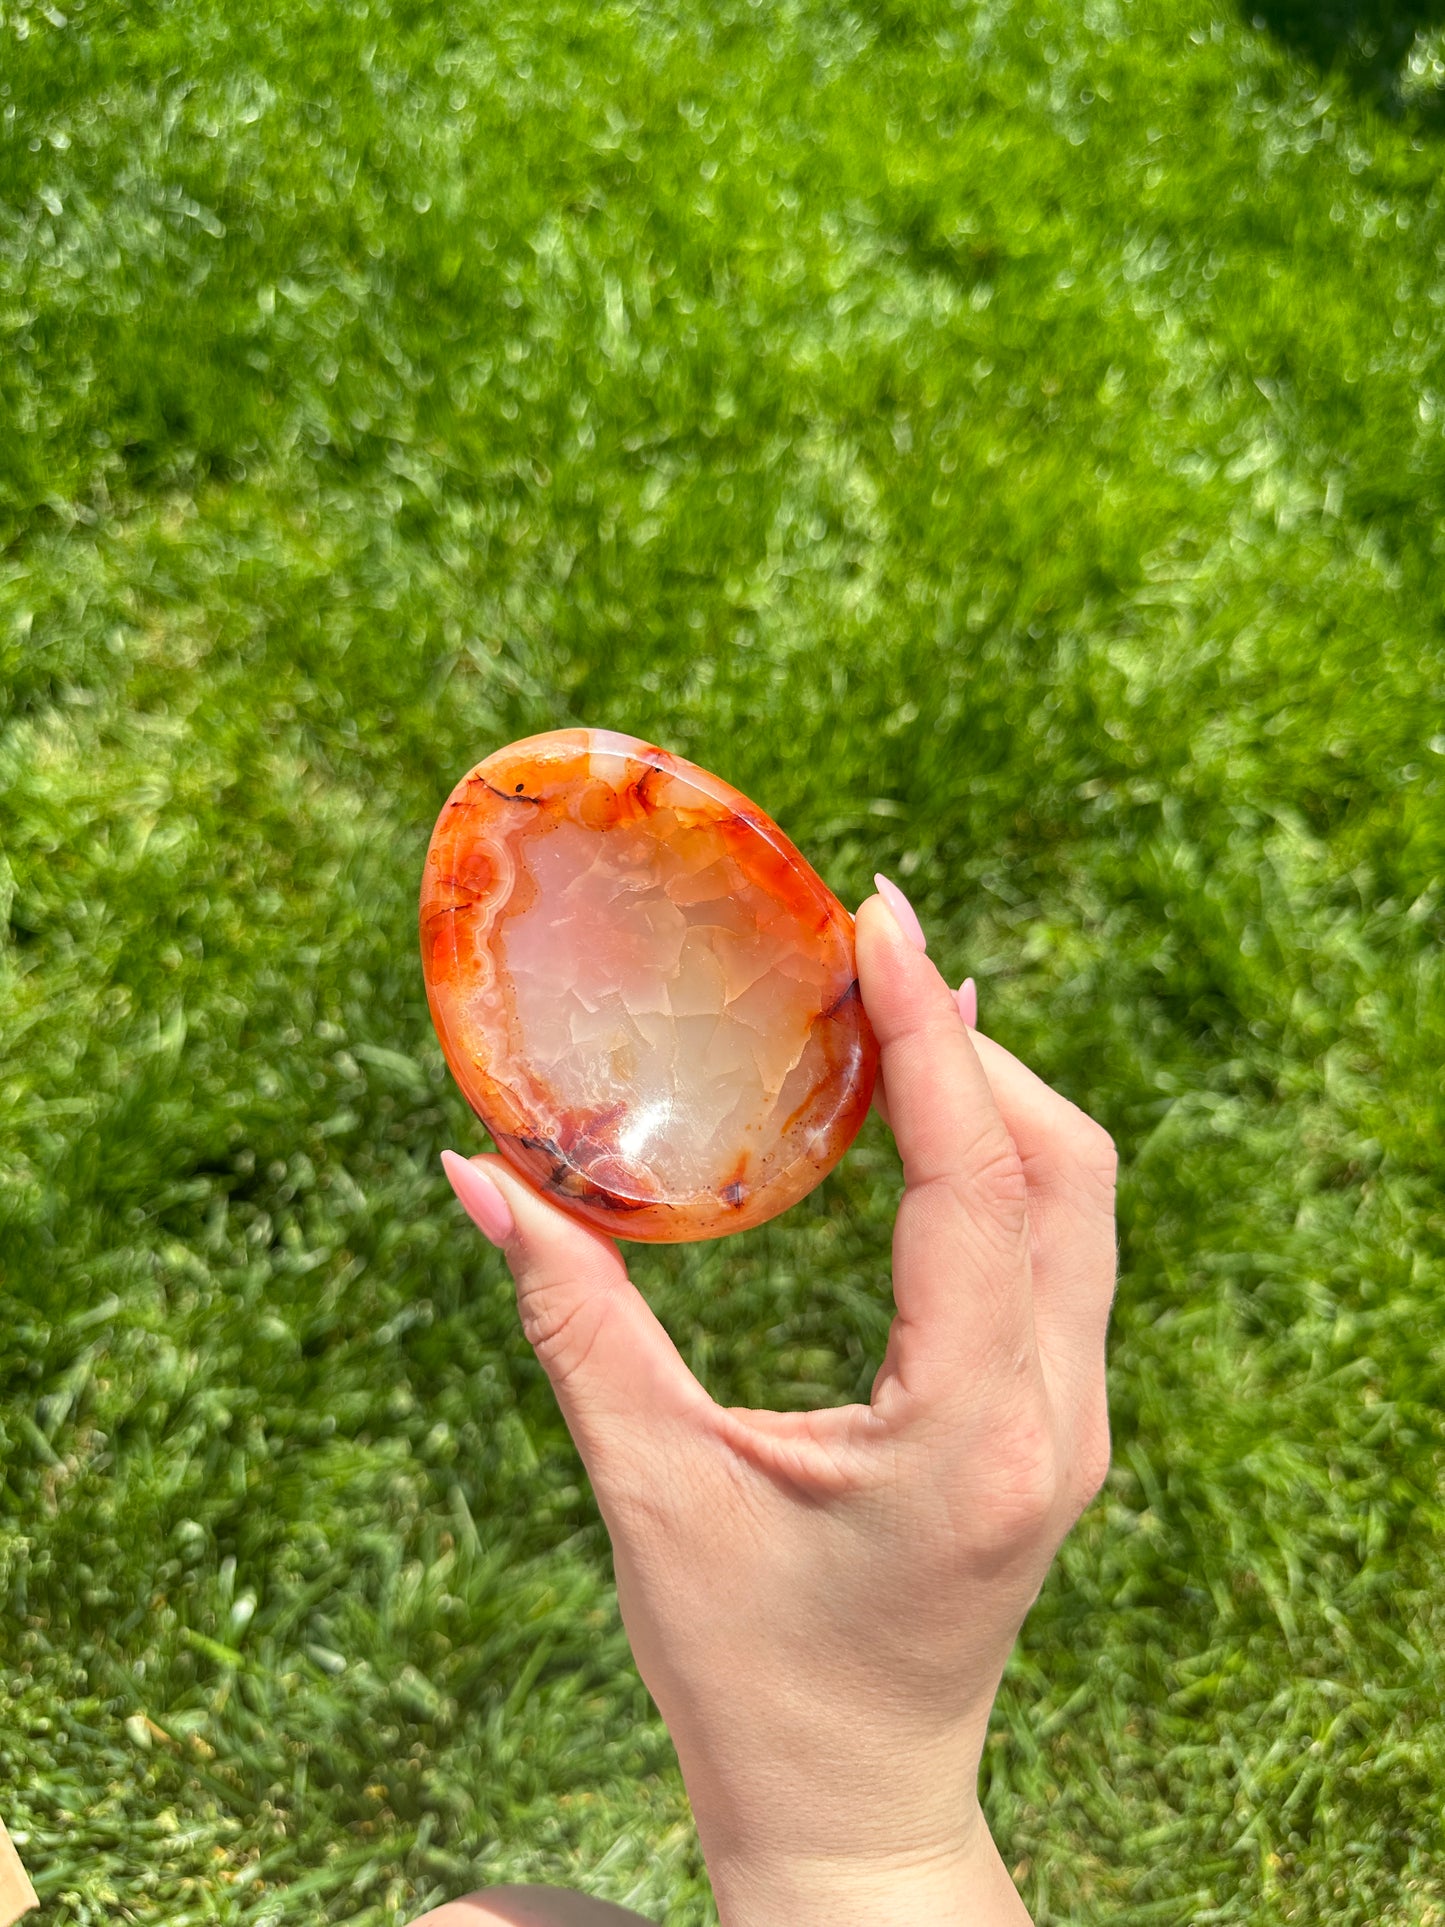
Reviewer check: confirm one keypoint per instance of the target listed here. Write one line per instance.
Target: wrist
(966, 1887)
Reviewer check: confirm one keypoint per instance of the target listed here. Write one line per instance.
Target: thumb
(613, 1367)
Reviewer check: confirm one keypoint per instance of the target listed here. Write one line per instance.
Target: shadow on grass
(1390, 50)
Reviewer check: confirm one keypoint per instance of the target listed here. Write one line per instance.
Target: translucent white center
(661, 999)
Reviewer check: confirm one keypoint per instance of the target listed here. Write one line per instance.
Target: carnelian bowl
(645, 992)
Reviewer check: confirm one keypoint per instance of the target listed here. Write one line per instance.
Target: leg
(530, 1907)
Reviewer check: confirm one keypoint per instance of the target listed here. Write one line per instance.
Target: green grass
(1008, 441)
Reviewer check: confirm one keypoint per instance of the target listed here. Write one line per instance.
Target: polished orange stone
(645, 992)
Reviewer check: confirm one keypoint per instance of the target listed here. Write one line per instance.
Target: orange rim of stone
(478, 874)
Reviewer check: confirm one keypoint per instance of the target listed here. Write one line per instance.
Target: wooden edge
(17, 1896)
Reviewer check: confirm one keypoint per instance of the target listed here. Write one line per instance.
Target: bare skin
(822, 1603)
(529, 1907)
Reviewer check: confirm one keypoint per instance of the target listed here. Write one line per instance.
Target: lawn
(1004, 437)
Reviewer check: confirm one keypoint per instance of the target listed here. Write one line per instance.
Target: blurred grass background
(1006, 438)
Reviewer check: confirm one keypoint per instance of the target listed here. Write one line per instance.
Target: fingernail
(480, 1198)
(968, 1002)
(904, 913)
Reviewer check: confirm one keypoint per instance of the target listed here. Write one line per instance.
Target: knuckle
(1033, 1489)
(559, 1324)
(1000, 1173)
(1026, 1484)
(1092, 1463)
(992, 1176)
(986, 1180)
(1097, 1152)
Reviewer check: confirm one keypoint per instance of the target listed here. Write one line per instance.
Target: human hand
(822, 1603)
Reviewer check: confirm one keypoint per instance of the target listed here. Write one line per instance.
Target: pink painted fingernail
(904, 914)
(480, 1198)
(967, 1000)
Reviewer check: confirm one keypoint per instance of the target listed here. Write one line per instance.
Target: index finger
(961, 1277)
